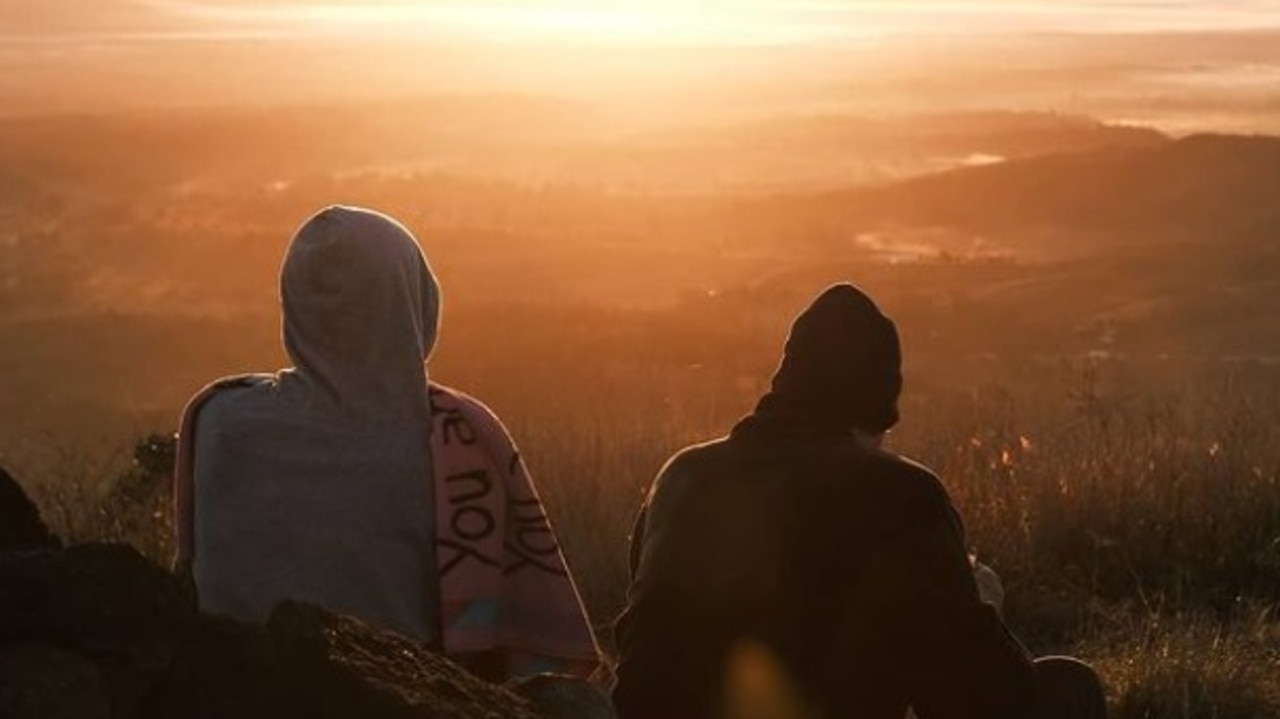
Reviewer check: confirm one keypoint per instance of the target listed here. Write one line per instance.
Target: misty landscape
(1078, 235)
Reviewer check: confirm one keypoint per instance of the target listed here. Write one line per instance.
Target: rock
(346, 668)
(103, 601)
(310, 664)
(20, 525)
(558, 696)
(42, 682)
(221, 668)
(99, 631)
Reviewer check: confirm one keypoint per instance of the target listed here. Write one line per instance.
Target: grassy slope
(1131, 505)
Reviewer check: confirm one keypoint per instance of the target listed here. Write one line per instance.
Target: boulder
(20, 525)
(557, 696)
(343, 667)
(307, 663)
(98, 630)
(38, 681)
(221, 668)
(105, 602)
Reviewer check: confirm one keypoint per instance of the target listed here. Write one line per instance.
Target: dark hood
(841, 368)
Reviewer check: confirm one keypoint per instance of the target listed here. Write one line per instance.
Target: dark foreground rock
(221, 668)
(562, 697)
(104, 602)
(38, 681)
(97, 631)
(20, 525)
(98, 628)
(309, 663)
(353, 670)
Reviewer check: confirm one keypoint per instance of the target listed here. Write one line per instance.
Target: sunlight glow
(628, 20)
(716, 21)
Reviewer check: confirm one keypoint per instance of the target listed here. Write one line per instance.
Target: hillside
(525, 139)
(976, 136)
(1148, 249)
(1204, 188)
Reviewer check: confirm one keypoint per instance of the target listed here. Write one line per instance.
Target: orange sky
(86, 54)
(681, 21)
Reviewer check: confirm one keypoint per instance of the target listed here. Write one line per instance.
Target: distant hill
(1215, 188)
(1148, 248)
(251, 145)
(995, 135)
(1172, 248)
(529, 139)
(1228, 183)
(814, 152)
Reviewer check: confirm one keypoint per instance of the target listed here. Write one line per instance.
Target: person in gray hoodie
(309, 483)
(352, 482)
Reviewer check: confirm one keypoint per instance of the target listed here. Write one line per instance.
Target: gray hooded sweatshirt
(314, 483)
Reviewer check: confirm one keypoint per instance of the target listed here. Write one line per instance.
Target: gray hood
(361, 309)
(315, 483)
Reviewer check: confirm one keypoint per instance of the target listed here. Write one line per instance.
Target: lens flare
(757, 686)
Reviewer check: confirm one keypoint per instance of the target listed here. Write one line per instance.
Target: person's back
(295, 502)
(352, 482)
(830, 556)
(315, 483)
(795, 564)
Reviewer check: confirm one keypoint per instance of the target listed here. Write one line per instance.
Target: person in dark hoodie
(797, 569)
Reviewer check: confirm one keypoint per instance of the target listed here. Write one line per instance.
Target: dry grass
(1182, 667)
(1136, 527)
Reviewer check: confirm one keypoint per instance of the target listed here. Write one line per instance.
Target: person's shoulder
(697, 456)
(911, 482)
(446, 399)
(686, 466)
(451, 401)
(904, 467)
(220, 394)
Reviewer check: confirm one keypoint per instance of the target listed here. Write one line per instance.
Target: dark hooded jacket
(793, 565)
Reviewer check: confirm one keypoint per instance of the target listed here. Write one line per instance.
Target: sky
(60, 55)
(634, 21)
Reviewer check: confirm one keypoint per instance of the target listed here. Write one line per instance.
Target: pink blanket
(504, 583)
(505, 589)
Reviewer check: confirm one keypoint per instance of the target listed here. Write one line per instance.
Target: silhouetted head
(361, 306)
(842, 365)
